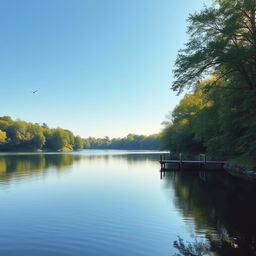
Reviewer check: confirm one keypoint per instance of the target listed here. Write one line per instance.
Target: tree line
(131, 141)
(20, 135)
(218, 65)
(17, 135)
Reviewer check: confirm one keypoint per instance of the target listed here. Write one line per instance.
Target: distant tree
(3, 125)
(78, 143)
(44, 125)
(86, 143)
(70, 139)
(17, 133)
(20, 135)
(131, 141)
(3, 137)
(37, 138)
(6, 118)
(58, 139)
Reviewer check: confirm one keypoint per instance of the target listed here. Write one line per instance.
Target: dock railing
(179, 160)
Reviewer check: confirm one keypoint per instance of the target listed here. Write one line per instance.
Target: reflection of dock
(202, 162)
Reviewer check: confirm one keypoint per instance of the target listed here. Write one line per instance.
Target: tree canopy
(222, 42)
(131, 141)
(24, 136)
(20, 135)
(219, 65)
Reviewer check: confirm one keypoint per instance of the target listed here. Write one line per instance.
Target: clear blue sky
(101, 67)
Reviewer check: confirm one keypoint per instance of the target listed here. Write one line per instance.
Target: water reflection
(102, 201)
(98, 204)
(130, 158)
(221, 206)
(19, 166)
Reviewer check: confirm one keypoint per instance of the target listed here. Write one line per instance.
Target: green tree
(179, 134)
(222, 42)
(86, 143)
(131, 141)
(78, 143)
(17, 133)
(37, 138)
(57, 139)
(3, 137)
(70, 139)
(44, 125)
(20, 135)
(6, 118)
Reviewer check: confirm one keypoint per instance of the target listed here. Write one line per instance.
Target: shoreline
(240, 172)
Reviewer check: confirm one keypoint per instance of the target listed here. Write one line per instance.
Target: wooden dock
(180, 162)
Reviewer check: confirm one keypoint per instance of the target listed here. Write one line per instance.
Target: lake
(113, 202)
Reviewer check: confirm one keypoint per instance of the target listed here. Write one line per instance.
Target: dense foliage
(131, 141)
(222, 41)
(219, 116)
(23, 136)
(220, 206)
(20, 135)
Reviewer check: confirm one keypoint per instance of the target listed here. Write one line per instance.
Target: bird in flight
(35, 91)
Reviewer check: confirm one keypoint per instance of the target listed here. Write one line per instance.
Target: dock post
(202, 160)
(180, 164)
(162, 157)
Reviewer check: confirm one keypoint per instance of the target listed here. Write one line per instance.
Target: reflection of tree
(128, 158)
(222, 205)
(20, 166)
(196, 248)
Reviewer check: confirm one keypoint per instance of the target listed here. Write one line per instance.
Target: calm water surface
(114, 203)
